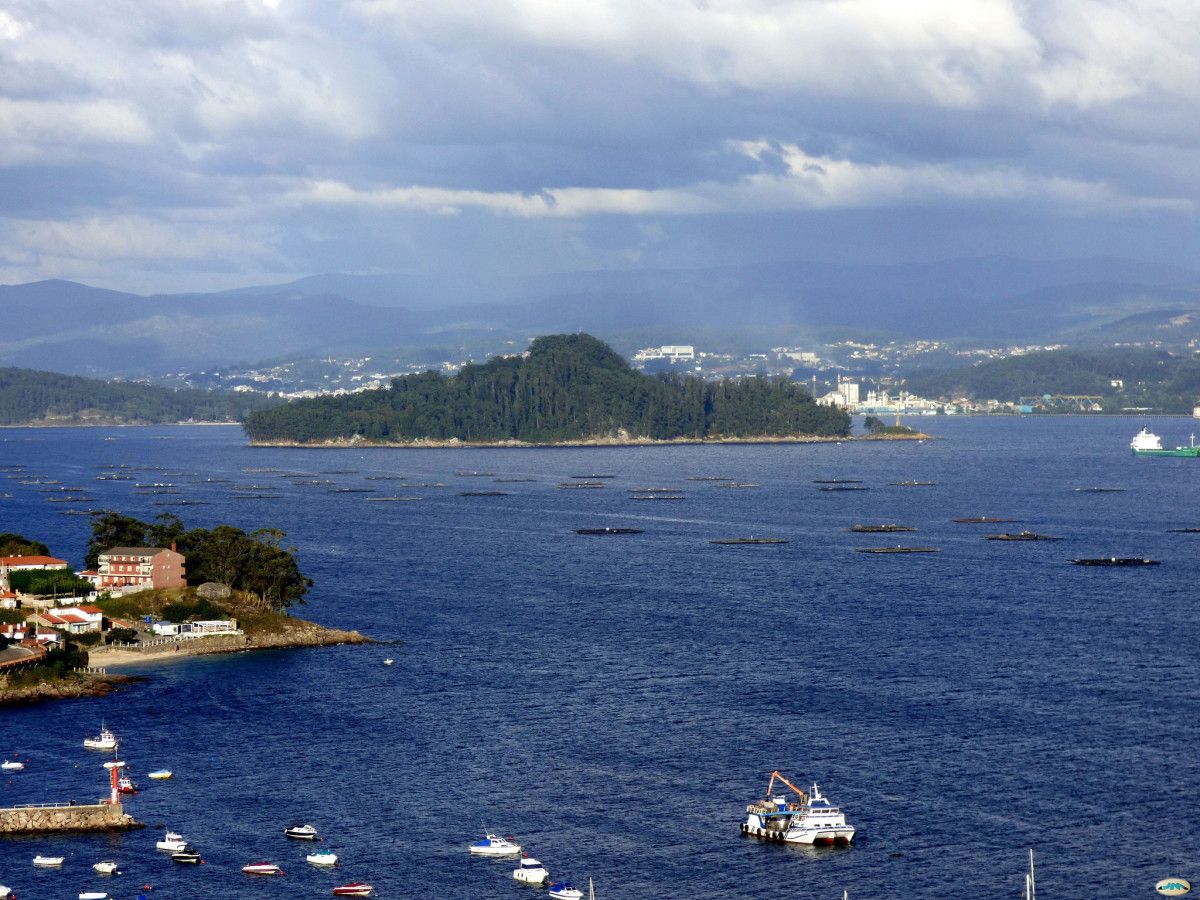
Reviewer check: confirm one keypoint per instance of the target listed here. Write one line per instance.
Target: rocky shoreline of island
(357, 442)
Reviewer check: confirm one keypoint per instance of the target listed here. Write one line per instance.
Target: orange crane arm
(776, 774)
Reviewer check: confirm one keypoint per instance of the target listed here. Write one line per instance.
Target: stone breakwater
(63, 819)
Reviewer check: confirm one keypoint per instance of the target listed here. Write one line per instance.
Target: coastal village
(49, 620)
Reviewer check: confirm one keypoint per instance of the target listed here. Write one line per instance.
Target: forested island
(567, 388)
(1121, 379)
(31, 397)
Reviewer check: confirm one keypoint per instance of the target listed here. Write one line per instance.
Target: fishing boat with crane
(810, 819)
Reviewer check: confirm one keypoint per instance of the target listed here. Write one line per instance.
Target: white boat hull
(173, 846)
(322, 859)
(47, 862)
(820, 836)
(496, 851)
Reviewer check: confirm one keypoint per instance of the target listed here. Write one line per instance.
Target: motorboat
(47, 862)
(301, 832)
(161, 775)
(531, 872)
(105, 740)
(114, 764)
(12, 766)
(5, 893)
(322, 858)
(95, 895)
(388, 661)
(262, 868)
(353, 889)
(173, 842)
(494, 845)
(125, 785)
(565, 890)
(188, 856)
(813, 820)
(106, 868)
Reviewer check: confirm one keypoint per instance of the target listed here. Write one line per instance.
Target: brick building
(140, 568)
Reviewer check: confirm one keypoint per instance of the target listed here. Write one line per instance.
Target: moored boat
(105, 740)
(607, 530)
(106, 867)
(812, 820)
(95, 895)
(1021, 536)
(47, 862)
(748, 540)
(353, 889)
(188, 856)
(262, 868)
(322, 858)
(897, 550)
(531, 872)
(12, 766)
(565, 890)
(172, 841)
(886, 528)
(494, 845)
(161, 775)
(126, 785)
(1116, 561)
(301, 832)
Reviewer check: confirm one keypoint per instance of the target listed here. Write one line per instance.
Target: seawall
(64, 818)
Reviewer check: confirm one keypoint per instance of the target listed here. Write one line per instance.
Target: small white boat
(47, 862)
(173, 842)
(161, 774)
(95, 895)
(565, 890)
(494, 845)
(12, 766)
(106, 868)
(531, 872)
(353, 889)
(322, 858)
(302, 832)
(262, 868)
(5, 893)
(115, 764)
(105, 740)
(388, 661)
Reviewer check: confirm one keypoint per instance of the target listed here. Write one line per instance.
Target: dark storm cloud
(193, 144)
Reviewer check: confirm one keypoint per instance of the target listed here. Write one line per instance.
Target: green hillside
(28, 396)
(567, 387)
(1154, 379)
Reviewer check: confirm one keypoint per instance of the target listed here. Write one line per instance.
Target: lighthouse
(114, 768)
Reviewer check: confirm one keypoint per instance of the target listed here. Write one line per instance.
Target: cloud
(212, 134)
(807, 183)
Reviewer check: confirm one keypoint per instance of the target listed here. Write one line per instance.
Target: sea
(615, 702)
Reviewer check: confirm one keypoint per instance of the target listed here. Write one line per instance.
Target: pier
(63, 818)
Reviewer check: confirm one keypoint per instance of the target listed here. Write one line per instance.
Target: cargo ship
(1146, 443)
(812, 820)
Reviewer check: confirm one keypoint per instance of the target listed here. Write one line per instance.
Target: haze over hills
(71, 327)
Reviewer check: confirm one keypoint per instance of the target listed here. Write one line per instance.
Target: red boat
(126, 785)
(354, 889)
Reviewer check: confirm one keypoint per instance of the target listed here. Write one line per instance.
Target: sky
(189, 145)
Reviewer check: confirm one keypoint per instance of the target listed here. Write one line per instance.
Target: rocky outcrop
(65, 818)
(66, 689)
(212, 590)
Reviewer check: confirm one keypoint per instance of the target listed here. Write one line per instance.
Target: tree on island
(18, 545)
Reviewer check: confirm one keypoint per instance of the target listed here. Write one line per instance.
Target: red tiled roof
(11, 561)
(90, 609)
(73, 619)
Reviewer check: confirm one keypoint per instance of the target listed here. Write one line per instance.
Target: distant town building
(72, 619)
(28, 564)
(672, 353)
(140, 568)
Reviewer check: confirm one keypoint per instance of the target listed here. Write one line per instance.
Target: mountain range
(71, 327)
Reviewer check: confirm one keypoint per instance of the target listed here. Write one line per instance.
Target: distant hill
(1154, 379)
(32, 397)
(83, 330)
(566, 388)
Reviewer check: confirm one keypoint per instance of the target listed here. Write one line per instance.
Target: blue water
(615, 702)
